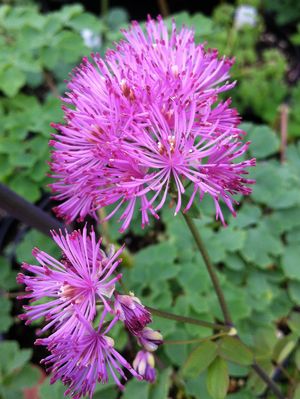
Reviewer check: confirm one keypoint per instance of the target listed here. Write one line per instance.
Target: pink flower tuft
(144, 122)
(84, 274)
(82, 361)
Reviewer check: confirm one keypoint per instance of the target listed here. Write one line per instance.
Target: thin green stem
(210, 268)
(228, 320)
(270, 383)
(195, 340)
(189, 320)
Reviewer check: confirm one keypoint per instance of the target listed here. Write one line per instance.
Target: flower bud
(144, 365)
(134, 315)
(150, 339)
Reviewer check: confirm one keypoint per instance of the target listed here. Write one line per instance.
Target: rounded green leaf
(264, 142)
(11, 80)
(290, 262)
(200, 359)
(217, 379)
(234, 350)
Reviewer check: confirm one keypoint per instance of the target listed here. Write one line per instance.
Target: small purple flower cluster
(144, 122)
(69, 294)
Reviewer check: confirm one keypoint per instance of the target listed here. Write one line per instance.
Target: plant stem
(104, 5)
(194, 341)
(270, 383)
(228, 320)
(51, 83)
(164, 8)
(210, 268)
(26, 212)
(189, 320)
(284, 111)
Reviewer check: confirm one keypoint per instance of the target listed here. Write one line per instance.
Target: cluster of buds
(136, 317)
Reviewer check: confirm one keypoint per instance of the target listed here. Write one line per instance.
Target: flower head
(82, 361)
(187, 152)
(84, 274)
(145, 122)
(130, 310)
(144, 364)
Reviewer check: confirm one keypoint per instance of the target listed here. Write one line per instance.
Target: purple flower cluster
(141, 124)
(144, 122)
(69, 294)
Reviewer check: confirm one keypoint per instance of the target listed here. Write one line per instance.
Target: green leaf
(237, 301)
(217, 379)
(196, 387)
(284, 348)
(290, 262)
(117, 16)
(23, 159)
(232, 238)
(199, 359)
(55, 391)
(276, 185)
(27, 377)
(148, 260)
(160, 389)
(297, 392)
(264, 342)
(136, 389)
(294, 291)
(255, 383)
(194, 211)
(35, 239)
(107, 393)
(86, 21)
(11, 80)
(235, 370)
(297, 358)
(259, 245)
(283, 220)
(294, 322)
(5, 317)
(246, 216)
(264, 142)
(13, 358)
(233, 349)
(7, 275)
(234, 262)
(177, 353)
(202, 24)
(26, 188)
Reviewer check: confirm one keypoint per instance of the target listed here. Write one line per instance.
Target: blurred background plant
(257, 255)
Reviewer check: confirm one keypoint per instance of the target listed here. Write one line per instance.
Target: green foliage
(35, 239)
(261, 73)
(256, 256)
(15, 371)
(294, 116)
(218, 379)
(200, 358)
(37, 53)
(286, 11)
(233, 350)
